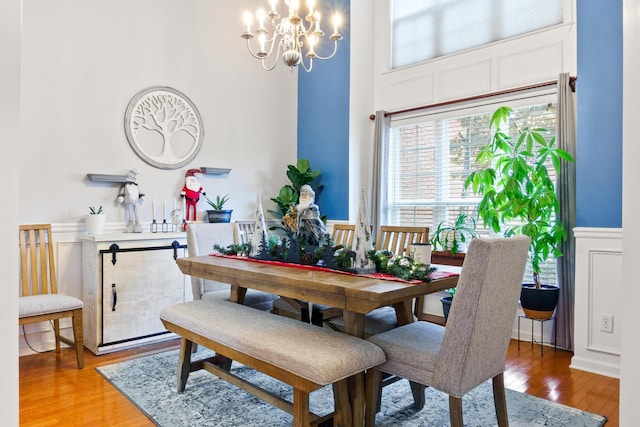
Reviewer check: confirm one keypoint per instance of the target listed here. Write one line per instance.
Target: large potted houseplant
(519, 197)
(218, 213)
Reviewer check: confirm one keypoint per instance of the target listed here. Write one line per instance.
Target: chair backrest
(245, 230)
(37, 265)
(478, 330)
(342, 234)
(201, 237)
(398, 238)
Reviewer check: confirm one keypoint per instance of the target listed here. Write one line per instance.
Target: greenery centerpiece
(518, 193)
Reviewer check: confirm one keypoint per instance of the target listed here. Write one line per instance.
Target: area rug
(150, 383)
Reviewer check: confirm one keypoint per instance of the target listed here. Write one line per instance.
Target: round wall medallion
(163, 127)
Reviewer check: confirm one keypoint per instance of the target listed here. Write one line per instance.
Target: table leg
(237, 294)
(353, 323)
(404, 312)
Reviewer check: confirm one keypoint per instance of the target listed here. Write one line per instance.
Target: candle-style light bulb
(311, 4)
(336, 22)
(273, 4)
(262, 39)
(247, 20)
(261, 14)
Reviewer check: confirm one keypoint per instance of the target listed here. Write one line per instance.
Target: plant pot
(449, 237)
(95, 223)
(539, 303)
(446, 306)
(219, 216)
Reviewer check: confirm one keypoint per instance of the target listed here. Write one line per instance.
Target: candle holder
(165, 226)
(153, 226)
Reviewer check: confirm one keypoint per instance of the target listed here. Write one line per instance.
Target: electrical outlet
(606, 323)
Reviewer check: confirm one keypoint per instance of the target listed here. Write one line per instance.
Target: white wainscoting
(598, 292)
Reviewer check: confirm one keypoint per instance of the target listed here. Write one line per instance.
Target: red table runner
(438, 274)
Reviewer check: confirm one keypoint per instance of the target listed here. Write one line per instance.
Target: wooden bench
(304, 356)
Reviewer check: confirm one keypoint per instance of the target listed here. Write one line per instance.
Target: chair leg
(184, 363)
(500, 400)
(417, 390)
(78, 337)
(455, 411)
(56, 332)
(373, 385)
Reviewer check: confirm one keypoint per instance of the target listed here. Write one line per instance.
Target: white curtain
(566, 189)
(380, 170)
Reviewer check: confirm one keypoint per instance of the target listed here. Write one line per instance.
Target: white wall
(82, 62)
(9, 146)
(630, 291)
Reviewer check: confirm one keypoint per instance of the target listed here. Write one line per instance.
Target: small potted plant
(453, 236)
(446, 302)
(95, 220)
(219, 213)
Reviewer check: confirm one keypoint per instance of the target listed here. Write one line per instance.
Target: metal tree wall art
(163, 127)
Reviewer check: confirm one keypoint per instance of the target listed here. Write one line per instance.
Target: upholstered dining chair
(473, 346)
(39, 299)
(245, 230)
(201, 237)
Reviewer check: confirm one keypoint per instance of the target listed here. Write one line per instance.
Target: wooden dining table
(356, 295)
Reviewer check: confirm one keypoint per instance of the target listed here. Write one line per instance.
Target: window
(431, 156)
(429, 29)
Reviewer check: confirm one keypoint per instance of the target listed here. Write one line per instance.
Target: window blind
(431, 156)
(423, 30)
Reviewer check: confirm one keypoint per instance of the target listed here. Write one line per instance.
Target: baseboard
(595, 367)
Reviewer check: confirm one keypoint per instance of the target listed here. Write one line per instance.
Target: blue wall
(599, 134)
(323, 116)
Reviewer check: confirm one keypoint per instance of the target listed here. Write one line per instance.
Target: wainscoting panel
(598, 293)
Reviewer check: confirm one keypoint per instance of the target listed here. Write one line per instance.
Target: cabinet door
(134, 291)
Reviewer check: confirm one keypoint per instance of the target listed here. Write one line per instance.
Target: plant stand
(555, 332)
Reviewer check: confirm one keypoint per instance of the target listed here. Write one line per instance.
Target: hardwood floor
(53, 392)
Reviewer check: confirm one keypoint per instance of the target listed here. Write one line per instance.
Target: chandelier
(290, 35)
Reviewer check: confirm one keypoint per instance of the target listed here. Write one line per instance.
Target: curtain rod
(572, 83)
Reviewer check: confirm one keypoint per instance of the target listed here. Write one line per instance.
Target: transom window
(423, 30)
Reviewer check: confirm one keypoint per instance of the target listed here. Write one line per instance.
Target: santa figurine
(191, 193)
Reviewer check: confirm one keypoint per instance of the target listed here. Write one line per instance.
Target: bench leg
(184, 363)
(374, 392)
(300, 408)
(342, 408)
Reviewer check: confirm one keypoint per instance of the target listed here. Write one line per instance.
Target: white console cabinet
(127, 279)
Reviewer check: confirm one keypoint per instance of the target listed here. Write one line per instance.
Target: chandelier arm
(275, 58)
(335, 49)
(271, 42)
(304, 66)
